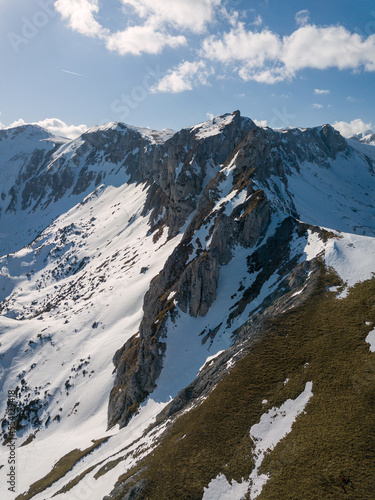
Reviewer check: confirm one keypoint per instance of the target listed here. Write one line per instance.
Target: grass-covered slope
(322, 341)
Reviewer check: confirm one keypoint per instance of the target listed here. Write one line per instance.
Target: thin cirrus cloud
(302, 17)
(255, 54)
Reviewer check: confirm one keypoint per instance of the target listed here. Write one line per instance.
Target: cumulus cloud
(138, 39)
(255, 53)
(353, 128)
(266, 57)
(58, 127)
(317, 106)
(327, 47)
(183, 77)
(151, 34)
(266, 75)
(54, 126)
(192, 15)
(80, 15)
(253, 48)
(321, 91)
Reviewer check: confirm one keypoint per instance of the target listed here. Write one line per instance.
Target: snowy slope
(65, 315)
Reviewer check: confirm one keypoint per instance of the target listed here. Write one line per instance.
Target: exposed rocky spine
(191, 280)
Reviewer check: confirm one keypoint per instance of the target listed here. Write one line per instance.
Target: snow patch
(221, 488)
(370, 339)
(352, 257)
(274, 426)
(212, 127)
(209, 360)
(314, 246)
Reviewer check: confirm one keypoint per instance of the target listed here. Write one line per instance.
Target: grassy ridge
(322, 341)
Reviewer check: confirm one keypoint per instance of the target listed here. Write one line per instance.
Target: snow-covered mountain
(367, 137)
(140, 270)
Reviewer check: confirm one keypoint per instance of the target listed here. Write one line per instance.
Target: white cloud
(58, 127)
(192, 15)
(210, 116)
(230, 16)
(54, 126)
(261, 123)
(253, 48)
(265, 57)
(138, 39)
(80, 15)
(267, 75)
(183, 77)
(258, 21)
(152, 33)
(317, 106)
(327, 47)
(321, 91)
(256, 51)
(256, 54)
(351, 99)
(302, 17)
(353, 128)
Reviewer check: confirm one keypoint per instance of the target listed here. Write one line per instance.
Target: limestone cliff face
(193, 281)
(191, 274)
(184, 164)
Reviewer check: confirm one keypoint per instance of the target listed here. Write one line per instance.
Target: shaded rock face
(283, 298)
(182, 165)
(192, 278)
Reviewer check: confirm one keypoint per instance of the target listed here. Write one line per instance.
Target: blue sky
(71, 64)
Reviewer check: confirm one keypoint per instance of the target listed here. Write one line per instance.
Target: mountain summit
(187, 314)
